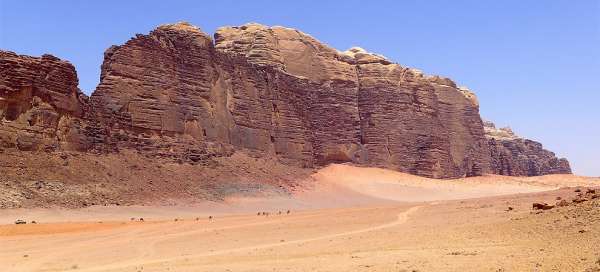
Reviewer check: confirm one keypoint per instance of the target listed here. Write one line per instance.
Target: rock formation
(272, 92)
(512, 155)
(40, 104)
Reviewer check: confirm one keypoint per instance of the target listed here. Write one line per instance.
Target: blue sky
(534, 65)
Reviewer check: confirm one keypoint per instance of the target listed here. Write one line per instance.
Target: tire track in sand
(401, 219)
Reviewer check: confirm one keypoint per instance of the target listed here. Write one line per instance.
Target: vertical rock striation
(40, 105)
(369, 110)
(272, 92)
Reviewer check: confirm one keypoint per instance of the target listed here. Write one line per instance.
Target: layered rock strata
(41, 107)
(272, 92)
(512, 155)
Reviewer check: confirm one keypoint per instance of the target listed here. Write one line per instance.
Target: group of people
(267, 213)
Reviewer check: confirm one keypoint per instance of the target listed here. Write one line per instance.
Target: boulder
(542, 206)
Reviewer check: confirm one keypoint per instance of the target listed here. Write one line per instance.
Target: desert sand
(348, 219)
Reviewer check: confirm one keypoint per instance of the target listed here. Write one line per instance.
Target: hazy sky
(534, 65)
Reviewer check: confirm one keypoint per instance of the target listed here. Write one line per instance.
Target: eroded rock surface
(512, 155)
(368, 109)
(271, 92)
(40, 105)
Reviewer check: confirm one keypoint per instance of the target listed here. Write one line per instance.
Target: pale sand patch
(334, 186)
(392, 185)
(351, 219)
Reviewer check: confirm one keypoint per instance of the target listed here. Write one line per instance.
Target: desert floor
(351, 219)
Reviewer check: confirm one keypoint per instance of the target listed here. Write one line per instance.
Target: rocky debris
(542, 206)
(270, 92)
(578, 223)
(589, 195)
(20, 222)
(39, 179)
(562, 203)
(512, 155)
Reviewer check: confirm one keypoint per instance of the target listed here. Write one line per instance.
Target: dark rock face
(40, 105)
(272, 92)
(369, 110)
(160, 94)
(515, 156)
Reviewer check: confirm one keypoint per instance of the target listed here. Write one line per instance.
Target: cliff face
(40, 105)
(280, 92)
(369, 110)
(515, 156)
(270, 92)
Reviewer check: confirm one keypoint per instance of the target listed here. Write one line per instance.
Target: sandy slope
(350, 219)
(392, 185)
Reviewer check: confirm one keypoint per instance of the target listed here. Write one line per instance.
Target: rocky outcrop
(271, 92)
(369, 110)
(512, 155)
(40, 105)
(280, 92)
(161, 95)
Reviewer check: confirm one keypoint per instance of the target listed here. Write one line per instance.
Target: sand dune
(334, 186)
(346, 219)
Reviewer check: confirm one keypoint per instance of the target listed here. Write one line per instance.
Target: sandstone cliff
(512, 155)
(271, 92)
(280, 92)
(40, 104)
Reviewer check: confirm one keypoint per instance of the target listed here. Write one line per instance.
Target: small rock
(542, 206)
(20, 222)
